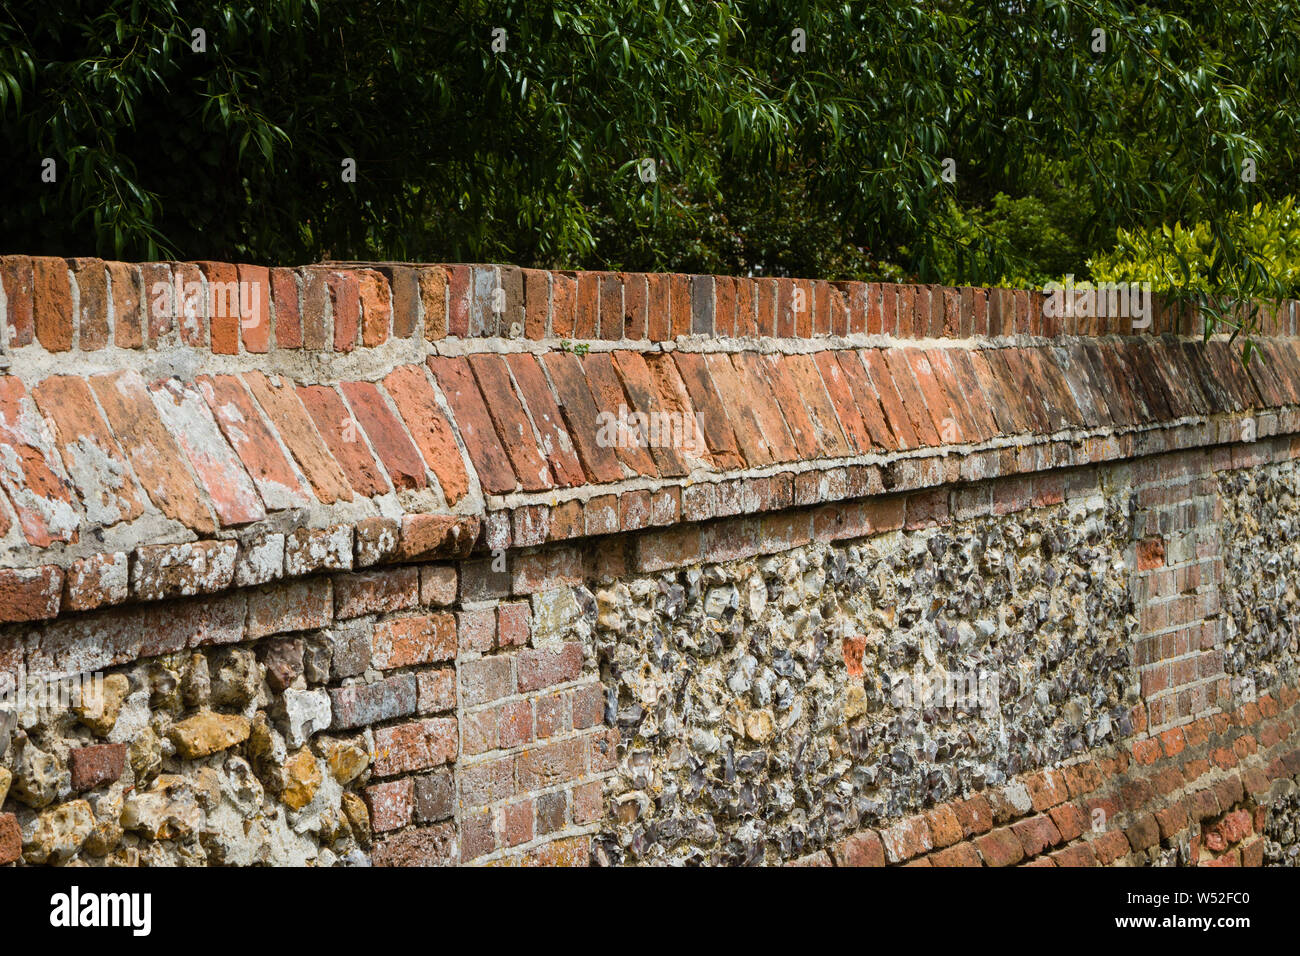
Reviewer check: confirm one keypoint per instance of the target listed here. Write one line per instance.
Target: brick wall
(363, 579)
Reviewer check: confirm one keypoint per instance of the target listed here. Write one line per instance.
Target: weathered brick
(545, 667)
(437, 690)
(96, 765)
(1000, 848)
(860, 849)
(419, 846)
(11, 839)
(292, 606)
(419, 745)
(371, 592)
(390, 804)
(486, 679)
(406, 641)
(95, 581)
(30, 594)
(550, 763)
(476, 630)
(359, 705)
(906, 839)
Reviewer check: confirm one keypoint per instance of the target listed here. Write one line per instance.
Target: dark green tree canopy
(947, 140)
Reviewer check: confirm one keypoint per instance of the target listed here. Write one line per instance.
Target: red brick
(221, 308)
(761, 439)
(376, 307)
(345, 302)
(1079, 854)
(1000, 848)
(906, 839)
(1171, 820)
(284, 303)
(95, 581)
(30, 594)
(52, 316)
(436, 690)
(537, 303)
(974, 814)
(1070, 821)
(96, 765)
(17, 279)
(315, 301)
(370, 592)
(1151, 554)
(220, 473)
(253, 441)
(387, 437)
(564, 291)
(610, 400)
(545, 667)
(428, 426)
(685, 386)
(644, 397)
(11, 839)
(545, 415)
(390, 804)
(91, 279)
(1036, 834)
(551, 568)
(476, 629)
(151, 449)
(945, 827)
(812, 392)
(512, 424)
(517, 823)
(343, 436)
(67, 402)
(418, 745)
(963, 854)
(420, 846)
(600, 462)
(588, 706)
(433, 299)
(891, 365)
(1143, 832)
(513, 624)
(550, 763)
(294, 426)
(403, 642)
(255, 321)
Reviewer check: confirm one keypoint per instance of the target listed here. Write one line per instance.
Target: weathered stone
(101, 703)
(235, 677)
(282, 659)
(145, 756)
(104, 838)
(59, 833)
(358, 816)
(208, 732)
(302, 777)
(305, 712)
(346, 760)
(37, 777)
(167, 811)
(196, 685)
(350, 648)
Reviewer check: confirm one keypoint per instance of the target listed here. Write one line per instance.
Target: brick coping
(198, 466)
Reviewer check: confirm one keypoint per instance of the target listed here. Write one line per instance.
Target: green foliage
(1187, 262)
(826, 161)
(1175, 258)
